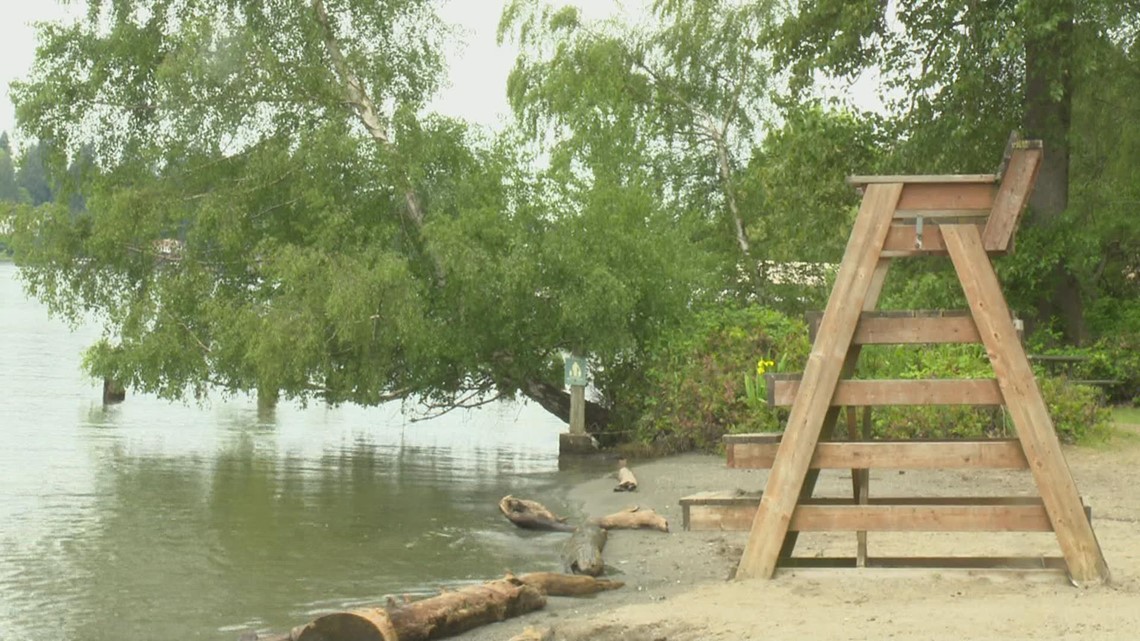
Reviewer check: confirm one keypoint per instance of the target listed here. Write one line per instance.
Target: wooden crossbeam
(941, 196)
(730, 511)
(1026, 406)
(825, 364)
(921, 518)
(902, 455)
(782, 392)
(984, 179)
(891, 328)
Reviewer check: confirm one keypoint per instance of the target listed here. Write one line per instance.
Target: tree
(32, 176)
(681, 102)
(962, 74)
(9, 189)
(269, 208)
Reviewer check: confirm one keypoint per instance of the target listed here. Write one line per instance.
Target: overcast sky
(478, 68)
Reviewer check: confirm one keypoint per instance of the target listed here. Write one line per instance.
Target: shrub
(701, 382)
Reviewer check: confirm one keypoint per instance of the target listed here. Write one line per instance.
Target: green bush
(1077, 411)
(701, 382)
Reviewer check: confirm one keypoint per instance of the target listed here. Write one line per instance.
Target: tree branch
(370, 117)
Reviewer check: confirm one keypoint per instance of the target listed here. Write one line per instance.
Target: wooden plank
(1025, 405)
(980, 391)
(939, 196)
(874, 289)
(735, 514)
(825, 364)
(875, 329)
(901, 455)
(921, 518)
(941, 215)
(900, 242)
(1012, 197)
(988, 179)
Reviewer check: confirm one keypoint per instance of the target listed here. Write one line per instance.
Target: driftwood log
(532, 515)
(436, 617)
(555, 584)
(582, 553)
(633, 518)
(627, 482)
(470, 607)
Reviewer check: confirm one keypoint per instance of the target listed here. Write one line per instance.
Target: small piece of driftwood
(556, 584)
(633, 518)
(532, 515)
(627, 482)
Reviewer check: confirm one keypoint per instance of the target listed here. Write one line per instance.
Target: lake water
(151, 520)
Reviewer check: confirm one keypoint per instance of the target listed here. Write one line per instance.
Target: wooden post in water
(576, 441)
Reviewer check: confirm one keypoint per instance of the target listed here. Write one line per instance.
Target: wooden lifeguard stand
(969, 218)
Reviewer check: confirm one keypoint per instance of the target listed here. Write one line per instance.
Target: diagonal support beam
(824, 366)
(1026, 406)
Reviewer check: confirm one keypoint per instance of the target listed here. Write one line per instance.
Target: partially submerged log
(582, 553)
(532, 515)
(436, 617)
(633, 518)
(555, 584)
(627, 482)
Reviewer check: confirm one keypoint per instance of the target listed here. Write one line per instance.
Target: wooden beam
(825, 364)
(921, 518)
(938, 196)
(1012, 197)
(874, 289)
(987, 179)
(900, 455)
(888, 329)
(1025, 405)
(782, 392)
(941, 215)
(728, 511)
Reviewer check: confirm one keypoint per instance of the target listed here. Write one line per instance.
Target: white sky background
(478, 67)
(478, 73)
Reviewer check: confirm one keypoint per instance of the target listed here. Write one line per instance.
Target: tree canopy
(271, 208)
(254, 196)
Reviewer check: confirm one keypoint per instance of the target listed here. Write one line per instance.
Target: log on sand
(436, 617)
(582, 553)
(633, 518)
(555, 584)
(532, 515)
(627, 482)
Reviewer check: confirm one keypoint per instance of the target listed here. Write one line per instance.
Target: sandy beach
(677, 588)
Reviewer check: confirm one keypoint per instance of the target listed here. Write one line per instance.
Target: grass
(1126, 415)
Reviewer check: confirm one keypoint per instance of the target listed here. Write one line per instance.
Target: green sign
(575, 370)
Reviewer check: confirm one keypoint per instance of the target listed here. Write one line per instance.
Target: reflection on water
(151, 520)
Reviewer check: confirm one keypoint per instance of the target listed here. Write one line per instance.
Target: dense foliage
(254, 196)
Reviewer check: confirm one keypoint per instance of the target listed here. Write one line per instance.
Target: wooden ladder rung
(744, 452)
(735, 511)
(981, 391)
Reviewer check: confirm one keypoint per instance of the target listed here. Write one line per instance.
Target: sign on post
(575, 371)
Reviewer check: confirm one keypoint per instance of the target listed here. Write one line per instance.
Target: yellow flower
(762, 366)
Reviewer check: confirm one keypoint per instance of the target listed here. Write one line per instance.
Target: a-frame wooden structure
(969, 218)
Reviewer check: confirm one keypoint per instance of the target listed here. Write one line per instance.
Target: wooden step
(735, 511)
(758, 451)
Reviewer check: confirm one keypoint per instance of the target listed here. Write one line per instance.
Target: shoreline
(677, 588)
